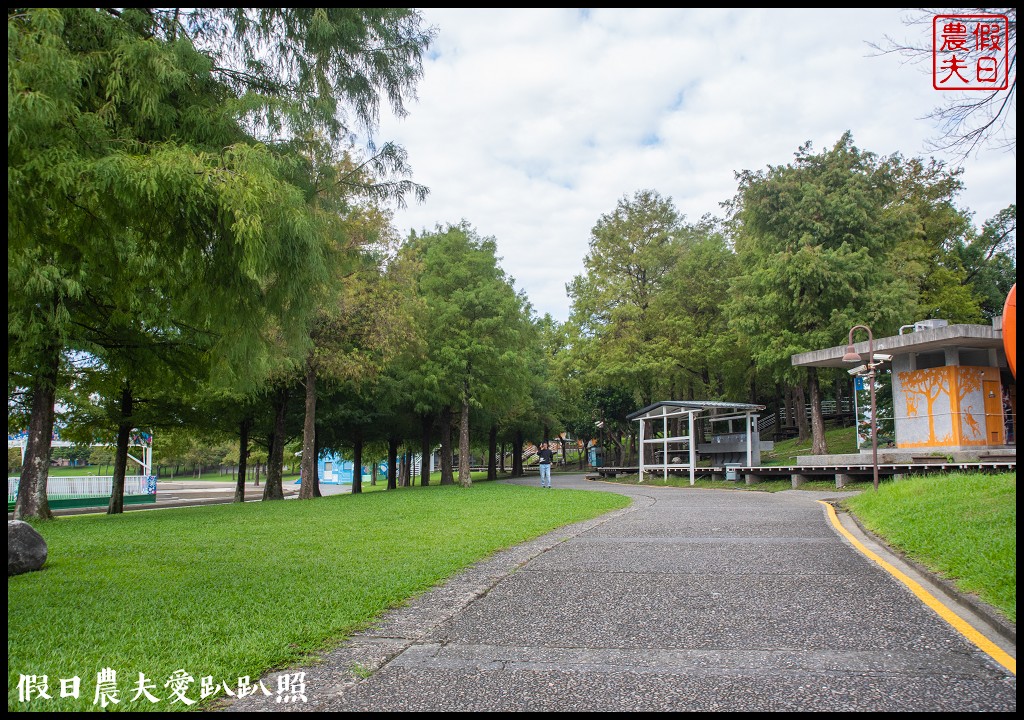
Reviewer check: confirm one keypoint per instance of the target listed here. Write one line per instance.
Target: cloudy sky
(532, 123)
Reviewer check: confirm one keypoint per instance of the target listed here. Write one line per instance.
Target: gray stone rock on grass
(26, 548)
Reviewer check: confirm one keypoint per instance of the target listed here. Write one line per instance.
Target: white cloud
(532, 123)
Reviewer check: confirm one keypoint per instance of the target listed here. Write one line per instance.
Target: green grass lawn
(237, 590)
(73, 471)
(963, 526)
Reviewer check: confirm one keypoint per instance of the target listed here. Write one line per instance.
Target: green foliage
(164, 214)
(840, 238)
(79, 454)
(989, 260)
(13, 460)
(101, 455)
(647, 319)
(476, 323)
(480, 342)
(812, 240)
(614, 313)
(707, 357)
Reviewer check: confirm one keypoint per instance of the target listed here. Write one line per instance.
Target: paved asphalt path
(689, 600)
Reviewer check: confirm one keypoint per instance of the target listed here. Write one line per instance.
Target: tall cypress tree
(167, 144)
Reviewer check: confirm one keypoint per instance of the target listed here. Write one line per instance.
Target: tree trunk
(243, 459)
(492, 453)
(266, 470)
(316, 465)
(35, 468)
(392, 463)
(447, 477)
(426, 422)
(465, 479)
(517, 454)
(357, 461)
(502, 460)
(616, 442)
(789, 418)
(308, 480)
(124, 429)
(274, 489)
(800, 410)
(818, 444)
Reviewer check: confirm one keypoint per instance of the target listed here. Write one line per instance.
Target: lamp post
(851, 356)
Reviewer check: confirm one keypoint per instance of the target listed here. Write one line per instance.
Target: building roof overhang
(931, 340)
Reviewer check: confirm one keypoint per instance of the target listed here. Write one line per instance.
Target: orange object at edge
(1010, 329)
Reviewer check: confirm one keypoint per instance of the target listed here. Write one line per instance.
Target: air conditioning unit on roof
(929, 324)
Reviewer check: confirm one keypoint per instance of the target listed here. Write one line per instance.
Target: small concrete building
(334, 469)
(952, 389)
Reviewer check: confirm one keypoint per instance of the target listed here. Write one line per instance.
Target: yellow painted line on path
(958, 623)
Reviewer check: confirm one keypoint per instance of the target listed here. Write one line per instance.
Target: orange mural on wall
(969, 381)
(949, 396)
(930, 386)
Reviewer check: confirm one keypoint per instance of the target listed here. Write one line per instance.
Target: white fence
(87, 486)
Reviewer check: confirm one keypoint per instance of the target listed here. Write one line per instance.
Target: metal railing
(828, 408)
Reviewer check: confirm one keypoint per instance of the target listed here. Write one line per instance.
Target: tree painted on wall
(927, 385)
(969, 380)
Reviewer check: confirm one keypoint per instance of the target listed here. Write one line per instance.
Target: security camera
(858, 370)
(881, 357)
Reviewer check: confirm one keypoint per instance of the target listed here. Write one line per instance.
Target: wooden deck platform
(841, 473)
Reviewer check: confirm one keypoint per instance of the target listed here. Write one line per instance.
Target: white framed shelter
(668, 432)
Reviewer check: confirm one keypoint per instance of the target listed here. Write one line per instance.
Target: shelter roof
(668, 406)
